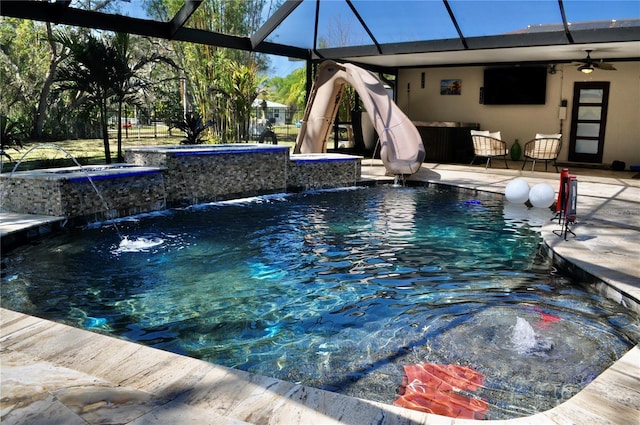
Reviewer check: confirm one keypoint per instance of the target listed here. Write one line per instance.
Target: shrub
(193, 127)
(11, 135)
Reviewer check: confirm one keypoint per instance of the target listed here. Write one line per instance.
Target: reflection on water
(338, 290)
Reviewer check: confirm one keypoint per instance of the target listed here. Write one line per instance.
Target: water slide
(401, 147)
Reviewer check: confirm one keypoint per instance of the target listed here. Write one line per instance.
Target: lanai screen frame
(369, 56)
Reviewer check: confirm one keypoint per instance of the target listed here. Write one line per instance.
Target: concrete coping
(83, 173)
(196, 150)
(323, 157)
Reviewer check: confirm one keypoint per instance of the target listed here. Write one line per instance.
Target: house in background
(264, 112)
(274, 112)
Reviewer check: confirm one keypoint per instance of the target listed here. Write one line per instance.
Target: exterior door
(588, 120)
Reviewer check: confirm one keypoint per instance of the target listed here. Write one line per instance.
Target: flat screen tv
(522, 85)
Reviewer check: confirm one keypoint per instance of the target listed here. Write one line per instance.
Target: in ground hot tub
(205, 173)
(102, 191)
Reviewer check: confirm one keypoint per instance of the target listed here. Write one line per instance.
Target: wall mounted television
(517, 85)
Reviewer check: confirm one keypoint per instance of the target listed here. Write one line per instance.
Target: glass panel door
(586, 146)
(588, 119)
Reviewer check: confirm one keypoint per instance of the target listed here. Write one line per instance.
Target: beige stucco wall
(622, 139)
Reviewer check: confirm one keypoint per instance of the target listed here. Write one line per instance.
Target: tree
(241, 85)
(126, 79)
(29, 57)
(25, 64)
(49, 78)
(86, 72)
(211, 87)
(100, 70)
(290, 90)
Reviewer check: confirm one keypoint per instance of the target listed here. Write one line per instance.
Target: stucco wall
(622, 139)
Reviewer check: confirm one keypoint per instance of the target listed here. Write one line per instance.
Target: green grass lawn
(91, 151)
(85, 151)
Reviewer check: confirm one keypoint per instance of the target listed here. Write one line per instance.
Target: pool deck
(55, 374)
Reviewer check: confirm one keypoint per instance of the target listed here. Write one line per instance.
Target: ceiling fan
(587, 65)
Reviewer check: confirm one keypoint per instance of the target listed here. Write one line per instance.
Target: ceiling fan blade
(604, 66)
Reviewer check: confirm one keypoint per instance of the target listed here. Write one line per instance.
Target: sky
(281, 66)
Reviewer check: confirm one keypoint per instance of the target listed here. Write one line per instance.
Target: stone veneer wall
(323, 171)
(156, 178)
(216, 173)
(71, 197)
(30, 196)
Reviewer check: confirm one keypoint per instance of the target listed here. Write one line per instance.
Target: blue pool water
(337, 290)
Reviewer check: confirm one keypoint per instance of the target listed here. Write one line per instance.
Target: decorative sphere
(542, 195)
(517, 191)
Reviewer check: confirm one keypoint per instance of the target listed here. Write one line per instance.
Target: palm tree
(100, 70)
(86, 72)
(240, 85)
(127, 81)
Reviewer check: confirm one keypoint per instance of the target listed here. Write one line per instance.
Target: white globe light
(542, 195)
(517, 191)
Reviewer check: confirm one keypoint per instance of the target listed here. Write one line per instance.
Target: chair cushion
(548, 136)
(479, 132)
(495, 134)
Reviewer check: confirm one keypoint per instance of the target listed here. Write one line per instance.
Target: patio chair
(544, 147)
(488, 145)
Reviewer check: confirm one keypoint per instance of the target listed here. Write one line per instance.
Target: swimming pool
(337, 290)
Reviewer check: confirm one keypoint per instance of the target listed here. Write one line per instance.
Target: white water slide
(401, 147)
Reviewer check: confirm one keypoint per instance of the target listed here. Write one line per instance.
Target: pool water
(338, 290)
